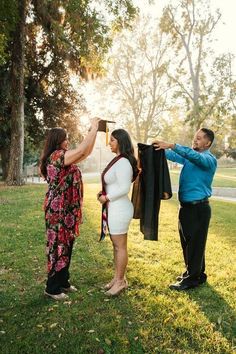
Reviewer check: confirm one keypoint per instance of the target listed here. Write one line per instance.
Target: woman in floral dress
(63, 204)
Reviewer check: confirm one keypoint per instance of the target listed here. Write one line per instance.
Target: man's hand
(158, 145)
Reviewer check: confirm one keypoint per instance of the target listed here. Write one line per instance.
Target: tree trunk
(15, 170)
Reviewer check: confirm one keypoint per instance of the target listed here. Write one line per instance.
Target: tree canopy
(61, 37)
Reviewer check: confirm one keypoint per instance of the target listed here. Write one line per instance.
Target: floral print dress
(63, 203)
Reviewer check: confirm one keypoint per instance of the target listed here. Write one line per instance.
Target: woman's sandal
(119, 289)
(109, 285)
(57, 297)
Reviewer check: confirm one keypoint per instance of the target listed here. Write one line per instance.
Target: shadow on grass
(210, 301)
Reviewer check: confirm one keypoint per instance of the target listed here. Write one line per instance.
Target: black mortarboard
(103, 127)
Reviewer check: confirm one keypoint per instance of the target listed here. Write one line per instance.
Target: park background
(158, 69)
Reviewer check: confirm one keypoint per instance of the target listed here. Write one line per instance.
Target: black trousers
(193, 229)
(60, 279)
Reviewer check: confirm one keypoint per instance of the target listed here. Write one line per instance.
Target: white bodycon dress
(118, 181)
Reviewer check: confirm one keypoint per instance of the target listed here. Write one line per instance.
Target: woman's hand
(99, 194)
(85, 148)
(102, 198)
(94, 123)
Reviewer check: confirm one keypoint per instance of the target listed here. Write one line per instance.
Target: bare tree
(190, 26)
(137, 78)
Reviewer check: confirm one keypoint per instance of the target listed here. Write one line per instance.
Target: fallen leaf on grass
(107, 341)
(53, 325)
(166, 320)
(3, 271)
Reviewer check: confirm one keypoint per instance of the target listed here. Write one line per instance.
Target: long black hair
(126, 148)
(55, 137)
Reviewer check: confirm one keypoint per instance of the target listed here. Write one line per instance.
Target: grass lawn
(224, 177)
(148, 318)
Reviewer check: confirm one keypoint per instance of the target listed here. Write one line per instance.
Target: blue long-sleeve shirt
(197, 172)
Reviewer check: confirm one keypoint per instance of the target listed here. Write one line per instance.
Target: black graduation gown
(152, 184)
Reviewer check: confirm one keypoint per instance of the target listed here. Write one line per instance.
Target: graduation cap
(103, 127)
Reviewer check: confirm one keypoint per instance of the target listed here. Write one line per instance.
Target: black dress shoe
(182, 285)
(182, 276)
(202, 278)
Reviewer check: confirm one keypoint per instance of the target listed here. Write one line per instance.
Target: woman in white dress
(117, 179)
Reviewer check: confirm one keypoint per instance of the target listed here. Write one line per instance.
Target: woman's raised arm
(85, 147)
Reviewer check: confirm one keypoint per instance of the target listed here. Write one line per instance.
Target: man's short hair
(209, 133)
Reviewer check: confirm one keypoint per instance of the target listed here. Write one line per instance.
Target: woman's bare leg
(121, 261)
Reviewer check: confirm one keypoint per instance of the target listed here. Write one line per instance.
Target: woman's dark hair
(55, 137)
(126, 148)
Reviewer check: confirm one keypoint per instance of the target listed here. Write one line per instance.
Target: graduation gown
(152, 184)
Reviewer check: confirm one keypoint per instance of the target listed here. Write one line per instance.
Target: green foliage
(3, 43)
(31, 151)
(8, 20)
(148, 318)
(231, 149)
(123, 11)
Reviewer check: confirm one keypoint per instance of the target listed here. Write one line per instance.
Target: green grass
(148, 318)
(224, 177)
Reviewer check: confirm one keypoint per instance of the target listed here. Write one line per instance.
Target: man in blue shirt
(196, 176)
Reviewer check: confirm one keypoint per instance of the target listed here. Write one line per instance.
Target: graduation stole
(104, 218)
